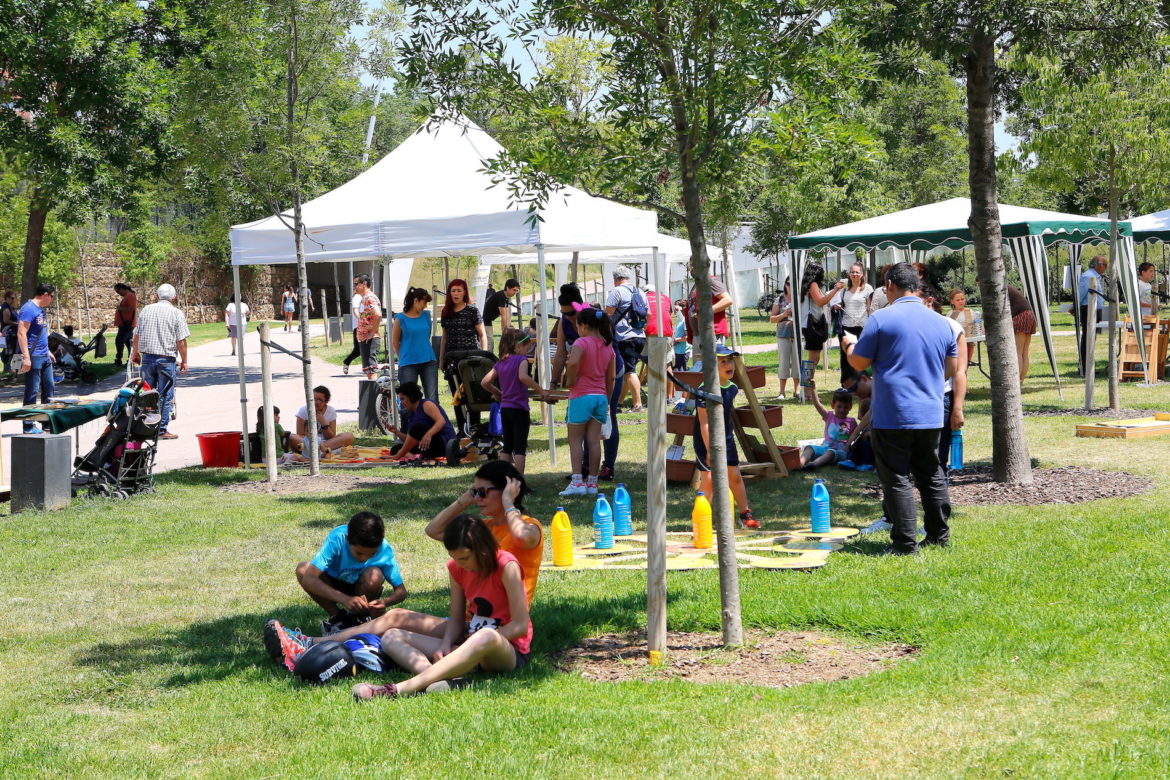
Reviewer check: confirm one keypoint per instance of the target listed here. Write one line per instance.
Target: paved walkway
(208, 397)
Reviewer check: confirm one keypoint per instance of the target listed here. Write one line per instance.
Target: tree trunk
(731, 619)
(1111, 286)
(292, 96)
(1009, 448)
(34, 239)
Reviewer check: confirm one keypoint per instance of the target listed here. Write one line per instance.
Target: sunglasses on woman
(481, 492)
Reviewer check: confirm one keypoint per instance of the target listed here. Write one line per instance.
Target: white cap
(166, 292)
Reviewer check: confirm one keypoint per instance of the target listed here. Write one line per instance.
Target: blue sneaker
(865, 467)
(846, 464)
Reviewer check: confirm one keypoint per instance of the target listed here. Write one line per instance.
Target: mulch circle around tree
(1065, 485)
(1100, 411)
(772, 659)
(328, 482)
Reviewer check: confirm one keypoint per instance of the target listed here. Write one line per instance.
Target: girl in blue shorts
(591, 369)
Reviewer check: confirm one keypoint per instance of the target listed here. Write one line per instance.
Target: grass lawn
(130, 636)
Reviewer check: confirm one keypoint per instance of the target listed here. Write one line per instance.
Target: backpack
(637, 310)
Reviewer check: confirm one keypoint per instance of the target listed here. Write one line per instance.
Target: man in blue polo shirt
(347, 575)
(912, 351)
(32, 334)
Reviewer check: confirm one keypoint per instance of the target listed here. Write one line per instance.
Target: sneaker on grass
(285, 645)
(575, 488)
(341, 621)
(877, 526)
(748, 520)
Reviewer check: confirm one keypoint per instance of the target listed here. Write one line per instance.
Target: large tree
(690, 82)
(85, 88)
(972, 36)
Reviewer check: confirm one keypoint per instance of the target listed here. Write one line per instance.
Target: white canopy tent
(675, 254)
(431, 197)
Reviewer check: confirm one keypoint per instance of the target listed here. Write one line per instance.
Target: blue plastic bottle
(623, 523)
(818, 506)
(602, 524)
(957, 450)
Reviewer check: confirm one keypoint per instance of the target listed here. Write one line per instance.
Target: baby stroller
(70, 364)
(121, 462)
(466, 369)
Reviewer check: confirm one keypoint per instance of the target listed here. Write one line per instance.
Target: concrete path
(208, 397)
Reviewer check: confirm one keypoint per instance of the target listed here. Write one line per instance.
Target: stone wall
(205, 288)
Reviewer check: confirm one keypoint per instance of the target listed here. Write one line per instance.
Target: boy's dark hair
(411, 390)
(904, 277)
(472, 533)
(68, 329)
(323, 390)
(497, 473)
(260, 413)
(365, 529)
(511, 283)
(1145, 267)
(843, 395)
(44, 288)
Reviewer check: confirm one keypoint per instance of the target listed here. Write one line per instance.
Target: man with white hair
(160, 341)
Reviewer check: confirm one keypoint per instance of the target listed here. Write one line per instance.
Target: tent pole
(240, 361)
(389, 346)
(542, 353)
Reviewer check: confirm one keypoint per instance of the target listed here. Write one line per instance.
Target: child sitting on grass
(347, 575)
(838, 428)
(281, 433)
(860, 449)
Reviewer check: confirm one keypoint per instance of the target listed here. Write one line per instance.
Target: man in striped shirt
(160, 341)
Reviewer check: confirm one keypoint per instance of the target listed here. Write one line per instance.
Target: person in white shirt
(1146, 273)
(327, 436)
(236, 330)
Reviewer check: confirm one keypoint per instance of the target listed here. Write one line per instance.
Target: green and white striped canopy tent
(1151, 227)
(1026, 231)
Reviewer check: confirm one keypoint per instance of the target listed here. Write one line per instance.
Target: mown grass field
(130, 635)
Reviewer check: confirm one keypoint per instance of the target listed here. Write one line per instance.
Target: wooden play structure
(1137, 428)
(759, 457)
(1156, 334)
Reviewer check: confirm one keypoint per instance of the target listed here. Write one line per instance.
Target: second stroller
(121, 462)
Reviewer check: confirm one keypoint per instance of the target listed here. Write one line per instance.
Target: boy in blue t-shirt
(347, 575)
(702, 436)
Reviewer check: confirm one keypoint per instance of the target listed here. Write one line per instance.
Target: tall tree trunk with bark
(34, 239)
(292, 96)
(1111, 286)
(730, 616)
(1009, 448)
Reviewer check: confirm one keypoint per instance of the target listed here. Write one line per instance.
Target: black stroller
(465, 370)
(121, 462)
(71, 364)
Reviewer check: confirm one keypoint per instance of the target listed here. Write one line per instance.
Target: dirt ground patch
(775, 660)
(1066, 485)
(1101, 411)
(328, 482)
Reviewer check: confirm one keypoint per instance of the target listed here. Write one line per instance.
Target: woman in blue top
(427, 428)
(411, 338)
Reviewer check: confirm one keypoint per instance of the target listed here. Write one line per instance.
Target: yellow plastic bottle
(701, 523)
(562, 538)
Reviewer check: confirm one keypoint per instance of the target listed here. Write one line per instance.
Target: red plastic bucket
(219, 450)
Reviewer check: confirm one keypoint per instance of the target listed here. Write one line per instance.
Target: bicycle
(764, 304)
